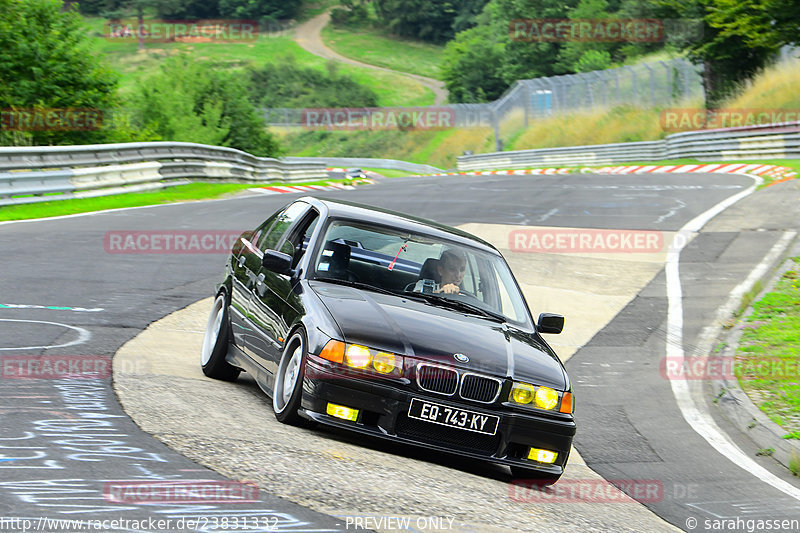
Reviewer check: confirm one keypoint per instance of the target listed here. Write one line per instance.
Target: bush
(289, 85)
(356, 16)
(197, 102)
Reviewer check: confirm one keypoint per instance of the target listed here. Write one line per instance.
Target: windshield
(416, 264)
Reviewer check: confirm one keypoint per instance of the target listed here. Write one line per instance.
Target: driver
(451, 267)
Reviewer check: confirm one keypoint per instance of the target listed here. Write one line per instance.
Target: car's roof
(377, 215)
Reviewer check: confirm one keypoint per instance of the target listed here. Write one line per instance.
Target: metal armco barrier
(62, 172)
(772, 141)
(347, 162)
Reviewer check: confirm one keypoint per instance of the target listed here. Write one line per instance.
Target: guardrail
(370, 162)
(47, 173)
(770, 141)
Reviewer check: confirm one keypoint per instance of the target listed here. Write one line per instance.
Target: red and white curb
(283, 189)
(773, 171)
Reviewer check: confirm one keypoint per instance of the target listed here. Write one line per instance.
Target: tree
(188, 9)
(196, 102)
(288, 85)
(260, 9)
(46, 62)
(524, 60)
(759, 23)
(577, 55)
(429, 20)
(471, 66)
(728, 59)
(593, 60)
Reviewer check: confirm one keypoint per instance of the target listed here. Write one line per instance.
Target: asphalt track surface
(63, 441)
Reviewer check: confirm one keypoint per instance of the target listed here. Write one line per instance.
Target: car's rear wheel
(289, 380)
(215, 343)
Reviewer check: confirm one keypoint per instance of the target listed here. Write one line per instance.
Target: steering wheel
(425, 282)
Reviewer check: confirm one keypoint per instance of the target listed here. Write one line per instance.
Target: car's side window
(470, 282)
(270, 239)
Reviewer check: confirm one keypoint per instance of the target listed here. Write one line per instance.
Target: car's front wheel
(215, 344)
(289, 380)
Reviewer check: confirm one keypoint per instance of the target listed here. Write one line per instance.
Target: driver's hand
(450, 288)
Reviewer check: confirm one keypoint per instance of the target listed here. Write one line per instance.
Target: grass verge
(390, 172)
(768, 349)
(179, 193)
(270, 47)
(402, 55)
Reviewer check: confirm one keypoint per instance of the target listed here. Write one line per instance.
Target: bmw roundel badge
(461, 357)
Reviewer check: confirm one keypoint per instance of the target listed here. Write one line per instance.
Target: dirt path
(309, 36)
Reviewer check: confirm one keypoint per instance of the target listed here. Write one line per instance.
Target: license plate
(451, 416)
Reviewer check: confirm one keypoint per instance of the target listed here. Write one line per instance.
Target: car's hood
(410, 327)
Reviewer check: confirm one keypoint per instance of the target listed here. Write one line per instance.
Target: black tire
(288, 389)
(215, 343)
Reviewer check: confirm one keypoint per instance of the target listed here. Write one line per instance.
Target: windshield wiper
(359, 285)
(457, 304)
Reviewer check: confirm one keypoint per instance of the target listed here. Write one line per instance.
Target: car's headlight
(362, 358)
(357, 356)
(540, 397)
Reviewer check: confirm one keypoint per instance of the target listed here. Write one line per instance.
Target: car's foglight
(363, 358)
(540, 397)
(542, 456)
(340, 411)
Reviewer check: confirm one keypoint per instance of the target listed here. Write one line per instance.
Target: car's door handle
(260, 279)
(241, 260)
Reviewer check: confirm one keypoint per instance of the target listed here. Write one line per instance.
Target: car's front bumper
(383, 412)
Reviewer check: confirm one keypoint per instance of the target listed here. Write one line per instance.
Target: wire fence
(644, 85)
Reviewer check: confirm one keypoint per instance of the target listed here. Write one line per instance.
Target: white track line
(701, 421)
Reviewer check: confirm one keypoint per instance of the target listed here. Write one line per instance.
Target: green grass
(390, 172)
(766, 360)
(375, 48)
(132, 65)
(794, 463)
(179, 193)
(748, 298)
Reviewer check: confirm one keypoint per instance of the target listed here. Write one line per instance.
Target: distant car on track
(354, 173)
(395, 327)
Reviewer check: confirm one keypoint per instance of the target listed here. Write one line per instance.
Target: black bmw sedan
(395, 327)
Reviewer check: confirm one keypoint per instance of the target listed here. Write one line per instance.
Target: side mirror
(550, 323)
(277, 262)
